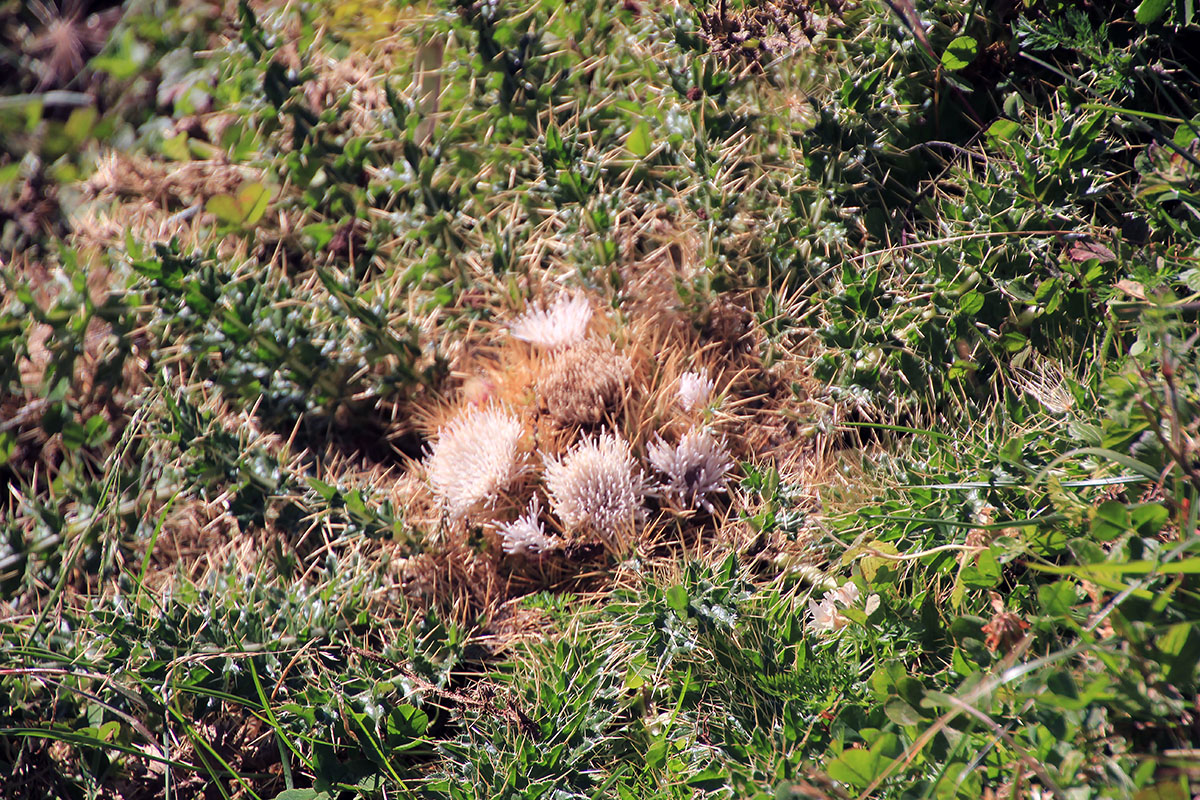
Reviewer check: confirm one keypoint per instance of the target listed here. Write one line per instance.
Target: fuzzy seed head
(526, 534)
(693, 469)
(597, 487)
(694, 390)
(67, 39)
(475, 458)
(584, 382)
(562, 323)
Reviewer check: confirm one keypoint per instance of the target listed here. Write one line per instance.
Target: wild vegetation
(781, 398)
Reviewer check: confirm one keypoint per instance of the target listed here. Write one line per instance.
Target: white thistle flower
(561, 323)
(475, 458)
(694, 468)
(526, 534)
(597, 487)
(694, 390)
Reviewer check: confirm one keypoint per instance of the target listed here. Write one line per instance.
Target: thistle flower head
(597, 487)
(561, 323)
(67, 39)
(526, 534)
(583, 382)
(694, 390)
(693, 469)
(475, 458)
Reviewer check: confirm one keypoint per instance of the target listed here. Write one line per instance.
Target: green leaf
(96, 431)
(225, 208)
(902, 713)
(8, 445)
(708, 780)
(555, 148)
(326, 491)
(960, 53)
(656, 755)
(176, 148)
(10, 173)
(984, 573)
(246, 208)
(321, 232)
(1003, 129)
(1057, 598)
(302, 794)
(971, 303)
(253, 198)
(1180, 647)
(677, 599)
(1014, 342)
(407, 722)
(639, 141)
(80, 125)
(1167, 790)
(1148, 518)
(1150, 10)
(855, 767)
(859, 767)
(1110, 521)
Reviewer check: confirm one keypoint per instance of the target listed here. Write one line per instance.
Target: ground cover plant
(599, 399)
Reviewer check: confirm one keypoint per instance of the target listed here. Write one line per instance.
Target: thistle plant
(693, 469)
(475, 458)
(526, 534)
(597, 487)
(695, 388)
(563, 322)
(585, 382)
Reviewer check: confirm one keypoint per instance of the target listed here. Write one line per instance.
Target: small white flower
(563, 322)
(847, 595)
(694, 390)
(526, 534)
(826, 618)
(597, 487)
(694, 468)
(475, 458)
